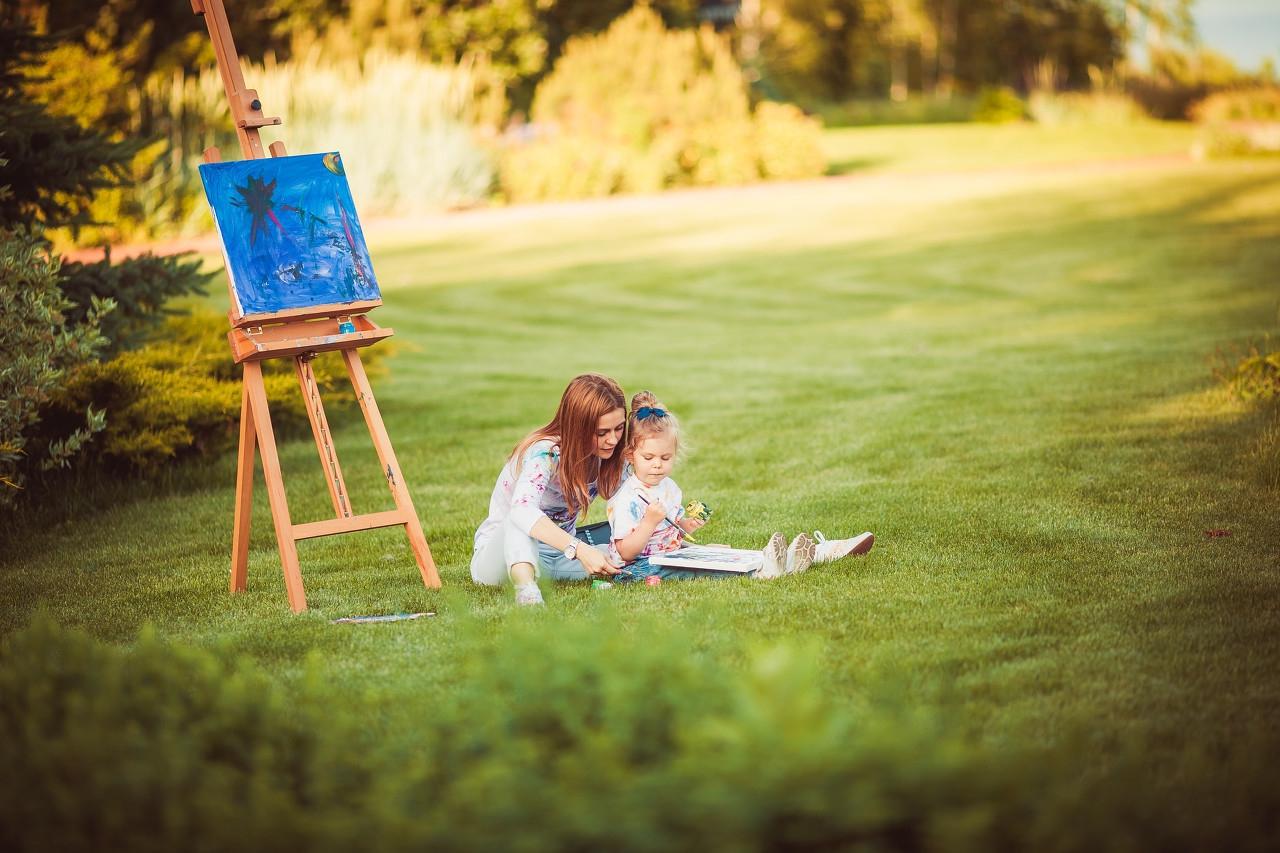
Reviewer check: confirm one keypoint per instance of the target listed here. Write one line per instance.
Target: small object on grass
(387, 617)
(652, 580)
(1216, 532)
(599, 584)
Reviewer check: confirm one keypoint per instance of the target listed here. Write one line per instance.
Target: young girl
(647, 516)
(549, 479)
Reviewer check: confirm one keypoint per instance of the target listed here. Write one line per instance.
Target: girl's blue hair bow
(649, 412)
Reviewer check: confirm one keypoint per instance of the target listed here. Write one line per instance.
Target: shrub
(141, 289)
(1179, 79)
(179, 396)
(411, 133)
(563, 734)
(38, 348)
(162, 748)
(789, 143)
(1055, 109)
(1256, 376)
(916, 109)
(639, 108)
(1260, 103)
(53, 165)
(998, 105)
(1240, 122)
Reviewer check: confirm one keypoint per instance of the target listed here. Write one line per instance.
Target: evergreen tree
(53, 168)
(55, 315)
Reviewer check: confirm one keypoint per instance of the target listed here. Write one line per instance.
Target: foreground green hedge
(579, 735)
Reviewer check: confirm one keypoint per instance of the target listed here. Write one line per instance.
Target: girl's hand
(691, 525)
(596, 563)
(655, 512)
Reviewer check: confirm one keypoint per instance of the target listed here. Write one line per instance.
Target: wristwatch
(571, 550)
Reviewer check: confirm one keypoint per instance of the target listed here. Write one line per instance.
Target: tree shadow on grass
(853, 165)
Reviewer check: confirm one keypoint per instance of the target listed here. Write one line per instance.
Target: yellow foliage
(789, 142)
(180, 396)
(639, 108)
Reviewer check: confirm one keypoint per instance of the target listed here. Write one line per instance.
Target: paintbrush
(686, 536)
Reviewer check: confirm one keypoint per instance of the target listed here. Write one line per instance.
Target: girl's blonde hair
(585, 400)
(649, 418)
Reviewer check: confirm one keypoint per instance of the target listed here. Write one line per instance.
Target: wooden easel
(298, 334)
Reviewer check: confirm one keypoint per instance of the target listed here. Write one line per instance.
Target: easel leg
(244, 495)
(324, 439)
(275, 486)
(391, 468)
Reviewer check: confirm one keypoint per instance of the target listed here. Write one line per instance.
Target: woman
(548, 482)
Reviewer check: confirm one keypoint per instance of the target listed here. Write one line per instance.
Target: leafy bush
(159, 749)
(1240, 122)
(1256, 376)
(1260, 103)
(917, 109)
(1083, 108)
(639, 108)
(564, 735)
(788, 142)
(411, 133)
(53, 165)
(998, 105)
(38, 348)
(1178, 79)
(179, 396)
(141, 288)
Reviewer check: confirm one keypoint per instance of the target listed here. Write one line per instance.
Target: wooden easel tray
(255, 343)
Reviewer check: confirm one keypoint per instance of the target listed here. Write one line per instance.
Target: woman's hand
(596, 563)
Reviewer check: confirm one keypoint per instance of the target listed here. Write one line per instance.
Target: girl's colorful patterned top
(531, 493)
(628, 506)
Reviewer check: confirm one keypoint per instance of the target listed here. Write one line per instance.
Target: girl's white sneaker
(800, 554)
(774, 554)
(836, 549)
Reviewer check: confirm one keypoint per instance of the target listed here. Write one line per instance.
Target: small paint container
(652, 580)
(346, 328)
(599, 584)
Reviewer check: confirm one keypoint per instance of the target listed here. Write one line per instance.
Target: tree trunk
(897, 52)
(949, 34)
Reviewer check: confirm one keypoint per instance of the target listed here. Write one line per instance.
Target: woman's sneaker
(774, 555)
(836, 549)
(800, 554)
(528, 594)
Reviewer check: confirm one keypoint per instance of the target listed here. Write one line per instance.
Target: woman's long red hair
(585, 401)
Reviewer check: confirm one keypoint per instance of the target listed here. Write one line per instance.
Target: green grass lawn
(947, 147)
(1008, 379)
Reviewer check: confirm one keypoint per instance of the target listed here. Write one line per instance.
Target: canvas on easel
(300, 283)
(290, 233)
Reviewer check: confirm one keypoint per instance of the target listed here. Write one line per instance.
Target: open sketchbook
(713, 559)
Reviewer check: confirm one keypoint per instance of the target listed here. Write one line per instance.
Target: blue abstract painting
(290, 233)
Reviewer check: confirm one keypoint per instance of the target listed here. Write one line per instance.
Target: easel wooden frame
(298, 334)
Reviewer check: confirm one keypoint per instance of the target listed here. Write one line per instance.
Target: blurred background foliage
(466, 96)
(442, 104)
